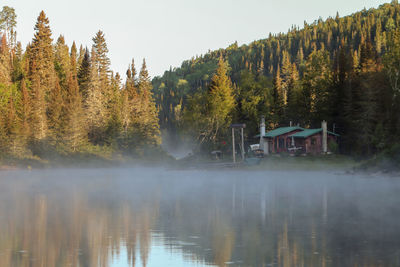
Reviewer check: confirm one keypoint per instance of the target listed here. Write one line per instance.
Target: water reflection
(136, 217)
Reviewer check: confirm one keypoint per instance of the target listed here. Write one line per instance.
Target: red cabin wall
(316, 148)
(274, 144)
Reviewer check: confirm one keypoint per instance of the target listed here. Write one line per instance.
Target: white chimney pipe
(263, 145)
(324, 137)
(262, 126)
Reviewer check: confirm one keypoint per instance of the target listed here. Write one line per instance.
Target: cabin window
(281, 143)
(313, 141)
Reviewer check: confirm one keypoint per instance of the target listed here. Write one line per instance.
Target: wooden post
(233, 145)
(241, 129)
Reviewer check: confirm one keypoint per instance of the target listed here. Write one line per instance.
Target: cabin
(277, 139)
(294, 139)
(310, 141)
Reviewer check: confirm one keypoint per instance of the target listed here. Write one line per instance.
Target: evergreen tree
(293, 95)
(366, 117)
(8, 23)
(81, 55)
(25, 111)
(75, 134)
(101, 60)
(126, 115)
(55, 113)
(317, 81)
(392, 62)
(147, 117)
(114, 125)
(278, 105)
(39, 118)
(286, 76)
(131, 83)
(95, 104)
(392, 69)
(62, 61)
(84, 74)
(41, 56)
(5, 62)
(13, 127)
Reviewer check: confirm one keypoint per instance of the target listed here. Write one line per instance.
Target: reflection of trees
(223, 241)
(71, 228)
(273, 223)
(262, 223)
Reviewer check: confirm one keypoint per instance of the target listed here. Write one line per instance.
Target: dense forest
(60, 100)
(344, 70)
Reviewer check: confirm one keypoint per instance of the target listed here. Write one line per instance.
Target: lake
(161, 217)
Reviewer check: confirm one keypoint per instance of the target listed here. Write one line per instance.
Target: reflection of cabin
(310, 141)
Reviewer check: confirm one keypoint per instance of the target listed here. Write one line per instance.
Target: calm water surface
(157, 217)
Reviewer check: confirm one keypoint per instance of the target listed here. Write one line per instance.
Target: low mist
(139, 216)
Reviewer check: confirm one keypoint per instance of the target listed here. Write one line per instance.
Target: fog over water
(160, 217)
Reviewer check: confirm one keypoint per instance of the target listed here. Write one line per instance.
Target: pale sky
(166, 32)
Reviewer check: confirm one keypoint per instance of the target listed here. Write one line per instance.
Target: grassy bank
(101, 157)
(318, 163)
(276, 162)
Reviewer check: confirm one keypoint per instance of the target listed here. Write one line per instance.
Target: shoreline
(329, 163)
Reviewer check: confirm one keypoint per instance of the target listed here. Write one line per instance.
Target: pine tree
(95, 105)
(62, 61)
(8, 23)
(293, 94)
(126, 116)
(55, 113)
(84, 75)
(317, 80)
(81, 55)
(75, 132)
(286, 75)
(41, 56)
(39, 118)
(114, 124)
(5, 62)
(131, 83)
(366, 116)
(101, 60)
(25, 111)
(13, 126)
(278, 99)
(392, 62)
(147, 118)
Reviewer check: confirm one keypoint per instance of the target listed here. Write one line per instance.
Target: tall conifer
(75, 133)
(41, 56)
(147, 117)
(84, 74)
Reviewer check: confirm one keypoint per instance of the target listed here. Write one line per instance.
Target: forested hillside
(60, 100)
(344, 70)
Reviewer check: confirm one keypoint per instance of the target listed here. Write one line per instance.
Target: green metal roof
(282, 130)
(308, 132)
